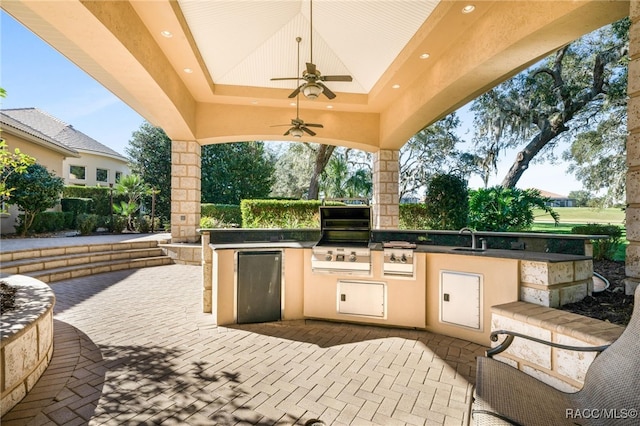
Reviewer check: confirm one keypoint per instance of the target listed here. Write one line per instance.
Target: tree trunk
(525, 156)
(322, 159)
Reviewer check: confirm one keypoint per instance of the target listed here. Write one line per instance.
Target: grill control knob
(403, 259)
(352, 256)
(392, 258)
(328, 257)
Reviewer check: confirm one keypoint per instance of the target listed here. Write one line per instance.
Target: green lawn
(574, 216)
(581, 215)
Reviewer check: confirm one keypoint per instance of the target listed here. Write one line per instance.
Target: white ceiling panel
(248, 42)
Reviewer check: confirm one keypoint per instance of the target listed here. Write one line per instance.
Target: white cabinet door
(461, 299)
(361, 298)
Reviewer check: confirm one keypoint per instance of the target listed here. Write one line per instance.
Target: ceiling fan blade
(311, 132)
(287, 132)
(311, 68)
(295, 92)
(286, 78)
(327, 92)
(280, 125)
(314, 125)
(336, 78)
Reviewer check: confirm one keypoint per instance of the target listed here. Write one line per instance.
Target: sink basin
(479, 250)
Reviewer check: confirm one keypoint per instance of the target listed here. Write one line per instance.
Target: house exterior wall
(50, 159)
(91, 163)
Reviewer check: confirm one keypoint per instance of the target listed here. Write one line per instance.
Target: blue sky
(36, 75)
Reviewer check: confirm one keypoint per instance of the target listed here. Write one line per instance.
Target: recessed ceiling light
(329, 106)
(468, 8)
(254, 102)
(292, 104)
(395, 86)
(166, 34)
(188, 70)
(424, 56)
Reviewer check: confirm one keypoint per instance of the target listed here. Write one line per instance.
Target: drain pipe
(606, 281)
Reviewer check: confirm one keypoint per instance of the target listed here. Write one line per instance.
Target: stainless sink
(479, 250)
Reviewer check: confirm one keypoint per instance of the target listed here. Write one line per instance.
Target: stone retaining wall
(26, 344)
(562, 369)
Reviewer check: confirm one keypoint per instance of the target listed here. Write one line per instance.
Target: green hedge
(605, 248)
(222, 214)
(413, 216)
(52, 222)
(99, 194)
(281, 213)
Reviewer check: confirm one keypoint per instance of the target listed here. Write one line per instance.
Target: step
(11, 256)
(65, 273)
(33, 264)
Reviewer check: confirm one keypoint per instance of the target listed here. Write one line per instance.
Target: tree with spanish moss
(563, 96)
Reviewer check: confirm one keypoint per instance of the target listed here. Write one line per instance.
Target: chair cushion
(505, 395)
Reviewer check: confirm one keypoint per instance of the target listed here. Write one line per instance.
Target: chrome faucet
(473, 236)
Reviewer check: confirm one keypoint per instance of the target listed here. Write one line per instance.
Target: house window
(102, 175)
(77, 172)
(118, 176)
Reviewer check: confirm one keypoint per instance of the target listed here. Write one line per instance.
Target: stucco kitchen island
(450, 291)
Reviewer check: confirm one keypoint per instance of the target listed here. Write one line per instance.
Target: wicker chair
(610, 395)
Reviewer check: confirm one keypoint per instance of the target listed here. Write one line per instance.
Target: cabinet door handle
(343, 297)
(446, 297)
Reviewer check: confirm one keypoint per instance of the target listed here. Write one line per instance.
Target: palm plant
(134, 188)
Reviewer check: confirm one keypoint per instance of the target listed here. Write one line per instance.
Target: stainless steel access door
(259, 286)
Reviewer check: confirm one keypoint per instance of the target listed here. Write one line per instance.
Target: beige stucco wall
(92, 162)
(50, 159)
(47, 157)
(500, 281)
(405, 297)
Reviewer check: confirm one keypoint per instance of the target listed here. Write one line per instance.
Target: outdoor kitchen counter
(498, 253)
(504, 254)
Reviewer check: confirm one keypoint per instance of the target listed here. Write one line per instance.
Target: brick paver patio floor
(133, 348)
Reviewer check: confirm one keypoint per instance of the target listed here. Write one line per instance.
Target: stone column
(633, 153)
(185, 191)
(386, 176)
(207, 273)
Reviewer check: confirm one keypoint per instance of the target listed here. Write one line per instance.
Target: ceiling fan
(299, 127)
(313, 85)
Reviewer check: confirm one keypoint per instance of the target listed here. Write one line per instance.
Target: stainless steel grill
(344, 243)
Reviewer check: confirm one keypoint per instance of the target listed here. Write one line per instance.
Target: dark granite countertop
(459, 251)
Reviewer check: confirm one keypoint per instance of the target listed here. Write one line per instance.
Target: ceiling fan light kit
(299, 127)
(313, 85)
(296, 132)
(312, 90)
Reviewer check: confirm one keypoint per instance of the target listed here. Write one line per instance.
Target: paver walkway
(133, 348)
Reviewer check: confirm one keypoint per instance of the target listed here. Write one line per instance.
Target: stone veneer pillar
(185, 191)
(386, 211)
(633, 153)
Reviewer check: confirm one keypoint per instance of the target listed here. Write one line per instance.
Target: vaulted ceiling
(202, 69)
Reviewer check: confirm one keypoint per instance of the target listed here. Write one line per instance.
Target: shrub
(52, 222)
(602, 248)
(225, 214)
(87, 223)
(413, 216)
(505, 209)
(208, 222)
(34, 191)
(143, 224)
(76, 206)
(446, 202)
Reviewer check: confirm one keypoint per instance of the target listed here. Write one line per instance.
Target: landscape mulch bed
(610, 305)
